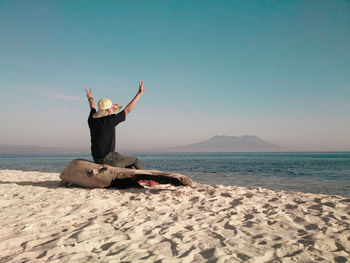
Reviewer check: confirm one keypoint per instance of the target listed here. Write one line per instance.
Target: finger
(90, 90)
(86, 91)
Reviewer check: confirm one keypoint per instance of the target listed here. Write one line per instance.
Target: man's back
(102, 133)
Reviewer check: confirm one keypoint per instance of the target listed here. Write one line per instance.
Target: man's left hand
(89, 94)
(141, 88)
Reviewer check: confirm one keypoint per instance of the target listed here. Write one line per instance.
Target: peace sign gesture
(90, 98)
(141, 88)
(89, 94)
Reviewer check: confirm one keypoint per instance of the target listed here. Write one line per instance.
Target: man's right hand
(90, 98)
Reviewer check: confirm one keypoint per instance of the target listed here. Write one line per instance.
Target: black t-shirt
(102, 133)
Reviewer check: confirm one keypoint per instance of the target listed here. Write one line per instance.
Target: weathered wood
(88, 174)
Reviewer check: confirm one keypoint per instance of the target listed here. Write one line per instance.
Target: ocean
(321, 172)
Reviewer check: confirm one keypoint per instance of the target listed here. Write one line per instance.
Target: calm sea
(326, 172)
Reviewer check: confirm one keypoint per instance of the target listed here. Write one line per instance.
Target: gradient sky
(279, 70)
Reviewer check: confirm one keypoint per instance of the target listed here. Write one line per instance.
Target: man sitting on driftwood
(110, 168)
(102, 131)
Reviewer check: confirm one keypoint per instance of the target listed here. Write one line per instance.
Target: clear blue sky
(279, 70)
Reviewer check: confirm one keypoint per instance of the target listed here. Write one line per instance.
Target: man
(102, 131)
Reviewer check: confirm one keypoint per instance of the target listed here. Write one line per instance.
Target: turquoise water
(327, 173)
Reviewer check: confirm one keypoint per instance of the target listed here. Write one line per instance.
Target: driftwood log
(88, 174)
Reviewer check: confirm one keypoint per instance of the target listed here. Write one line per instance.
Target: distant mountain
(221, 143)
(30, 149)
(217, 143)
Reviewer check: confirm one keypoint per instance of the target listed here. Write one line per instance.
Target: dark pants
(121, 160)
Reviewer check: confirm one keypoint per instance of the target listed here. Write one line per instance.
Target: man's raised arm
(132, 103)
(90, 99)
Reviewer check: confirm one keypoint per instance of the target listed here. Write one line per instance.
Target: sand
(42, 221)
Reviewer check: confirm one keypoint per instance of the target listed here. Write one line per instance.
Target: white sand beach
(42, 221)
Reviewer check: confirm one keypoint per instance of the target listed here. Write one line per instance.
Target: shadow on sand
(46, 184)
(58, 184)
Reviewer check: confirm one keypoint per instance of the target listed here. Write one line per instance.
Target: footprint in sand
(299, 201)
(307, 240)
(207, 254)
(249, 195)
(248, 217)
(226, 195)
(290, 206)
(340, 259)
(258, 236)
(298, 219)
(231, 226)
(243, 257)
(277, 238)
(302, 232)
(330, 204)
(316, 207)
(271, 222)
(311, 227)
(106, 246)
(236, 202)
(249, 224)
(194, 199)
(42, 255)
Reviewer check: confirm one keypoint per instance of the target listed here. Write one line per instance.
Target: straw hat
(105, 108)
